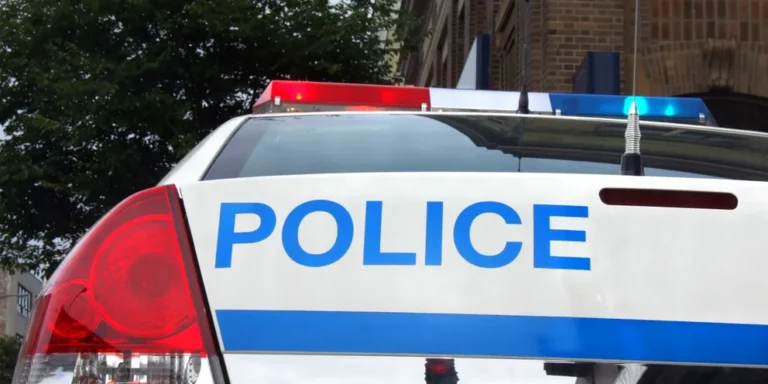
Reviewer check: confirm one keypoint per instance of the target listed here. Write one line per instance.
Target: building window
(24, 301)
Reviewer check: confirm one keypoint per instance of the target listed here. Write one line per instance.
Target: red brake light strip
(669, 198)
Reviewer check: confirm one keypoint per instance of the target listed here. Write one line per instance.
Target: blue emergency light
(668, 108)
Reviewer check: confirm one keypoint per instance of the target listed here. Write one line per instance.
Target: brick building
(714, 49)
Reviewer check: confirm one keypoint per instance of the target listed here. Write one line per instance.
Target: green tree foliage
(99, 98)
(9, 352)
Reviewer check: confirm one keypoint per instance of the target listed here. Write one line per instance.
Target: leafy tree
(99, 98)
(9, 352)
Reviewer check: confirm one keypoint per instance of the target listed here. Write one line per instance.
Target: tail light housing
(126, 305)
(440, 371)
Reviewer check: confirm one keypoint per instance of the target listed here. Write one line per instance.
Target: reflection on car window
(537, 165)
(319, 369)
(413, 146)
(354, 143)
(317, 144)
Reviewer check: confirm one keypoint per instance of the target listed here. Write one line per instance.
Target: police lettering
(543, 234)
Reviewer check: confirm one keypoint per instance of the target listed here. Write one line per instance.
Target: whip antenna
(632, 160)
(522, 105)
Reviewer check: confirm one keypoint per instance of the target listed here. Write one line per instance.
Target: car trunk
(311, 276)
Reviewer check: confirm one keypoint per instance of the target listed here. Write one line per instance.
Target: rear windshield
(321, 144)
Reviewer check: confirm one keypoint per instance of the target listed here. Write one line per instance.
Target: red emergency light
(302, 96)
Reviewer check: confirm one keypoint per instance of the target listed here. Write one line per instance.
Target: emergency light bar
(300, 96)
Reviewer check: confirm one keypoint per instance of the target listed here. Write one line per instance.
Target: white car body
(399, 271)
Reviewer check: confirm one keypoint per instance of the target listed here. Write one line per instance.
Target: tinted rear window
(319, 144)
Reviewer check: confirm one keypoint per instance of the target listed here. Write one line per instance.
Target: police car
(374, 234)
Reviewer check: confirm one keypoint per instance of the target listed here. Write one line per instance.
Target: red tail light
(438, 368)
(126, 305)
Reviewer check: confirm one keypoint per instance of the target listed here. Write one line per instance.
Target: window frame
(23, 301)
